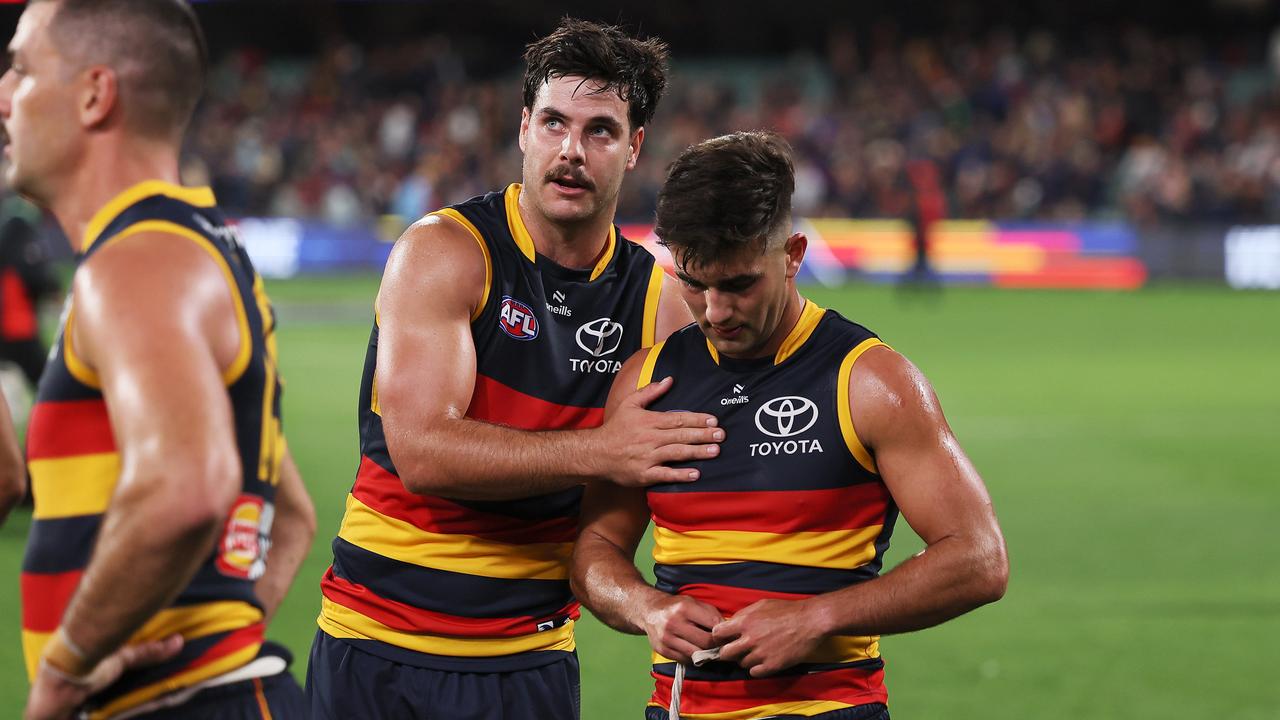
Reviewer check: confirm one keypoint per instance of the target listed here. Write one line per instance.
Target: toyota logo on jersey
(600, 337)
(785, 417)
(516, 319)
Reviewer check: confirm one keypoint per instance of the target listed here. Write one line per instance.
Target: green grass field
(1131, 443)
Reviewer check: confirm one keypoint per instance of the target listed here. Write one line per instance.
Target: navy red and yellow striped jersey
(792, 507)
(74, 466)
(457, 584)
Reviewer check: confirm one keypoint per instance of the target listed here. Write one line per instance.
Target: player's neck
(571, 245)
(790, 316)
(107, 171)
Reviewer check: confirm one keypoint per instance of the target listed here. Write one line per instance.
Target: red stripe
(45, 597)
(238, 639)
(729, 600)
(493, 402)
(406, 618)
(384, 492)
(773, 511)
(68, 428)
(854, 686)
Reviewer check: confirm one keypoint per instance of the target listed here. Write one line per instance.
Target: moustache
(573, 175)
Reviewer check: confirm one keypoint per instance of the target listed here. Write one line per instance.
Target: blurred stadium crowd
(1033, 125)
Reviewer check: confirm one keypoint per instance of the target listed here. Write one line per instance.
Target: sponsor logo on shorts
(785, 418)
(517, 319)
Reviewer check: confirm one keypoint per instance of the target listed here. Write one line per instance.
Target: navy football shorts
(344, 681)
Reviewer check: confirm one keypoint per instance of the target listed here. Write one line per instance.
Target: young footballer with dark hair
(769, 600)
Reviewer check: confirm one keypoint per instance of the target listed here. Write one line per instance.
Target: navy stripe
(564, 503)
(773, 577)
(329, 646)
(468, 596)
(719, 671)
(61, 544)
(210, 585)
(192, 649)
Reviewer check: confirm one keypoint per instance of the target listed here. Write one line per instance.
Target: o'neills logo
(242, 552)
(516, 319)
(784, 418)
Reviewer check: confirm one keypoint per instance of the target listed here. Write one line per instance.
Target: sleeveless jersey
(74, 465)
(456, 584)
(792, 507)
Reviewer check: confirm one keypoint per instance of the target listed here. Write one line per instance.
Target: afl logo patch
(516, 319)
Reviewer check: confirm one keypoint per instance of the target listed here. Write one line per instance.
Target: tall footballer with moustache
(499, 326)
(769, 566)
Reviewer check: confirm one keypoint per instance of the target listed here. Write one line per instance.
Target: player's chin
(566, 210)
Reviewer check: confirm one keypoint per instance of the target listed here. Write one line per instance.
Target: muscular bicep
(896, 414)
(426, 356)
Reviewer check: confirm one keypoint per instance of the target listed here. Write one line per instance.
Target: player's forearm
(291, 535)
(951, 577)
(150, 545)
(473, 460)
(13, 477)
(607, 582)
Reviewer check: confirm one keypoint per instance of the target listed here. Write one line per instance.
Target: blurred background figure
(28, 281)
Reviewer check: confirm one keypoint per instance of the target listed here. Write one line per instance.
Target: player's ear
(524, 127)
(637, 139)
(796, 246)
(99, 94)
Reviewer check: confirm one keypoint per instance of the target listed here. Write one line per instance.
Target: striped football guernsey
(74, 466)
(791, 508)
(468, 585)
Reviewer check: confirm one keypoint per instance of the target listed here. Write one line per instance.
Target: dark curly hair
(726, 194)
(634, 69)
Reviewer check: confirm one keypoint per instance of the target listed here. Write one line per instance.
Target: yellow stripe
(71, 486)
(603, 262)
(838, 549)
(838, 649)
(649, 331)
(194, 621)
(367, 528)
(715, 354)
(77, 367)
(805, 708)
(32, 648)
(241, 361)
(484, 248)
(855, 446)
(516, 224)
(176, 682)
(805, 325)
(197, 196)
(343, 622)
(650, 361)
